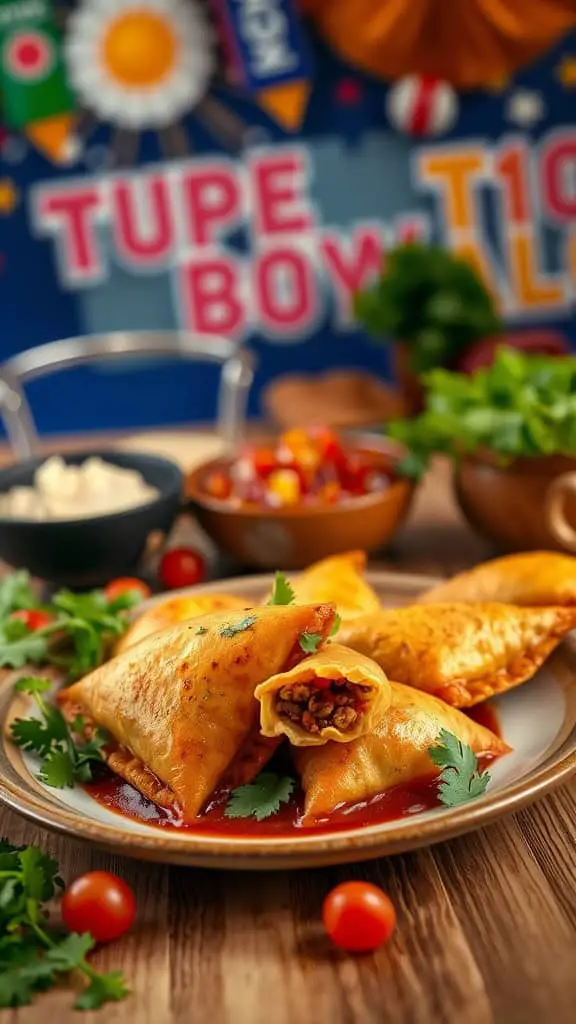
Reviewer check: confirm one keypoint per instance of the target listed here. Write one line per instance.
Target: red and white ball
(421, 105)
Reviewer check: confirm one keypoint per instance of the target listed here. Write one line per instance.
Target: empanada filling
(322, 703)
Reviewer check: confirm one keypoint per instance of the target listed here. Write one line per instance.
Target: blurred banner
(139, 191)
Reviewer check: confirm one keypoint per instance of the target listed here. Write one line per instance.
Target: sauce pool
(396, 804)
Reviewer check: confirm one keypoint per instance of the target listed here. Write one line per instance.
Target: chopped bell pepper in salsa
(310, 467)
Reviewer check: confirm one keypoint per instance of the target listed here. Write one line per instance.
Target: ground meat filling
(321, 703)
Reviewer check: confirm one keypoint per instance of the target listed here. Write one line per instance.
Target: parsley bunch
(76, 639)
(33, 958)
(63, 761)
(460, 780)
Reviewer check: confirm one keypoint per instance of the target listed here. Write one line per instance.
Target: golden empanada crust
(395, 752)
(339, 579)
(182, 701)
(530, 578)
(463, 653)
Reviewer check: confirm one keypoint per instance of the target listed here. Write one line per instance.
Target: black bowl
(89, 552)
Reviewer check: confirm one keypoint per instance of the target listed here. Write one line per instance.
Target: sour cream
(61, 491)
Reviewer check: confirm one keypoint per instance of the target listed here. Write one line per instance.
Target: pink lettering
(351, 264)
(142, 236)
(71, 216)
(211, 303)
(558, 170)
(280, 206)
(213, 201)
(285, 288)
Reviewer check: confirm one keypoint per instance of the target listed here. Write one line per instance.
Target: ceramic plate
(538, 719)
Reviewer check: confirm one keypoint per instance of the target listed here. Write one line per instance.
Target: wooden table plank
(486, 923)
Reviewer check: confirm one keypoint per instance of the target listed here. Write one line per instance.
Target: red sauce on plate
(398, 803)
(486, 715)
(401, 802)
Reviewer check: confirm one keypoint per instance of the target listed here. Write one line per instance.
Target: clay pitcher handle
(559, 490)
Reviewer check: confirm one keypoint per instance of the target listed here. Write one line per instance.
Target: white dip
(60, 491)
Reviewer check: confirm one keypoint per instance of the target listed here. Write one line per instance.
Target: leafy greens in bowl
(521, 406)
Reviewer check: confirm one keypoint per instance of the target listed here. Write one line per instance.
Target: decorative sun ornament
(139, 64)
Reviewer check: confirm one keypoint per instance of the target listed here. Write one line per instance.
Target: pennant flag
(266, 43)
(36, 99)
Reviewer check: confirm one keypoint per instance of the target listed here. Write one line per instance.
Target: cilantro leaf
(63, 762)
(58, 770)
(283, 592)
(336, 624)
(16, 593)
(70, 952)
(31, 734)
(39, 873)
(20, 645)
(460, 779)
(238, 627)
(103, 988)
(261, 798)
(309, 642)
(33, 685)
(23, 972)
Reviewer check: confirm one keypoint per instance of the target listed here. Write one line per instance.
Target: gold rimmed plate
(537, 719)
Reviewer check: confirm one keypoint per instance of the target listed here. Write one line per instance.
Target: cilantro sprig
(78, 636)
(63, 759)
(33, 957)
(261, 798)
(460, 780)
(282, 591)
(309, 642)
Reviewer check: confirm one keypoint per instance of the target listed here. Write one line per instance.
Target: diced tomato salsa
(309, 467)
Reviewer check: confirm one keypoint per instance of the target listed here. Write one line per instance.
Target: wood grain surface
(486, 923)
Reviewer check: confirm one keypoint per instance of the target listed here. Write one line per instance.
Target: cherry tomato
(182, 567)
(32, 617)
(99, 903)
(126, 585)
(358, 916)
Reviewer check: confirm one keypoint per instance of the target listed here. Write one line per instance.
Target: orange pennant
(53, 137)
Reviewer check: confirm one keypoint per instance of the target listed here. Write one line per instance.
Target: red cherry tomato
(182, 567)
(358, 916)
(99, 903)
(126, 585)
(32, 617)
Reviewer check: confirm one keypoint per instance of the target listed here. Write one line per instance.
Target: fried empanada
(336, 694)
(181, 702)
(175, 610)
(463, 653)
(340, 579)
(530, 578)
(395, 752)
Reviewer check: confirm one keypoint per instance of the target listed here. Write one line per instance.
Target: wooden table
(486, 923)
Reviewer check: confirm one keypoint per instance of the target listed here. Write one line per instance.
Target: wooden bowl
(527, 505)
(292, 538)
